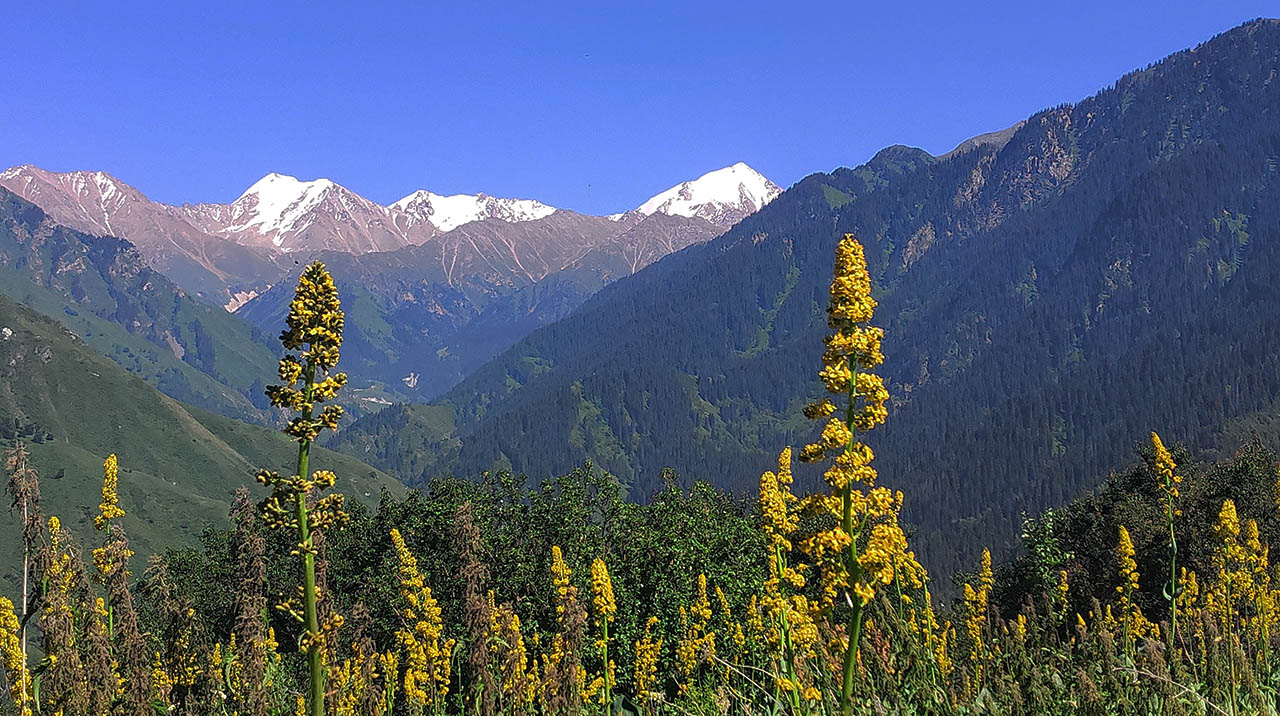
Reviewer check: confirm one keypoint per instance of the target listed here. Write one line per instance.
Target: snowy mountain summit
(286, 213)
(724, 196)
(291, 214)
(449, 212)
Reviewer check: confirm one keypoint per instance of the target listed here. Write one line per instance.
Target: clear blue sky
(592, 106)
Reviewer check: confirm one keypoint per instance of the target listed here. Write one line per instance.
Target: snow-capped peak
(723, 196)
(449, 212)
(276, 203)
(275, 187)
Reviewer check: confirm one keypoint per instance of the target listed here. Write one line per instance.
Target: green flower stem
(604, 656)
(788, 649)
(111, 610)
(314, 662)
(854, 625)
(1173, 574)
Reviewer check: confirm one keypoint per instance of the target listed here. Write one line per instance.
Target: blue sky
(588, 106)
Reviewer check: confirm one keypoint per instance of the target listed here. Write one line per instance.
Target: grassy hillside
(179, 464)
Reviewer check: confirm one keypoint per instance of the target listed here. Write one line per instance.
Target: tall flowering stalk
(425, 654)
(13, 659)
(1128, 587)
(605, 607)
(64, 680)
(24, 489)
(791, 633)
(563, 677)
(866, 548)
(108, 511)
(314, 330)
(1234, 579)
(645, 678)
(977, 601)
(1165, 467)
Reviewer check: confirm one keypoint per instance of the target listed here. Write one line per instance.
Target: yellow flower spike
(560, 575)
(313, 329)
(864, 549)
(110, 507)
(13, 660)
(1165, 466)
(602, 593)
(426, 657)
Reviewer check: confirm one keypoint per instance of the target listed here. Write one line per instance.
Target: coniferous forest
(990, 432)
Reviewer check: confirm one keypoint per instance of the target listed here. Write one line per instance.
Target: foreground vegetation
(1154, 596)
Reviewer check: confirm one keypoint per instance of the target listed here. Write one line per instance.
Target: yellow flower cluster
(279, 510)
(314, 327)
(425, 656)
(645, 678)
(977, 603)
(602, 593)
(1134, 623)
(315, 318)
(59, 574)
(358, 685)
(1165, 466)
(1128, 566)
(110, 507)
(886, 556)
(697, 645)
(560, 575)
(1241, 561)
(15, 664)
(882, 553)
(519, 678)
(792, 632)
(779, 517)
(1230, 558)
(1061, 600)
(852, 350)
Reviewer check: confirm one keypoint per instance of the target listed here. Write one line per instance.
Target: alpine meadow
(993, 431)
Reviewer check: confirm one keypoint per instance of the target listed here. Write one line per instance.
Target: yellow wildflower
(560, 575)
(425, 656)
(602, 592)
(110, 507)
(11, 657)
(1165, 466)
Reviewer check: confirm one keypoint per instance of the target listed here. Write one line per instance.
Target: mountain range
(440, 283)
(229, 252)
(1050, 294)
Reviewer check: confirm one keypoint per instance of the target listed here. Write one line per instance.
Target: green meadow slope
(179, 465)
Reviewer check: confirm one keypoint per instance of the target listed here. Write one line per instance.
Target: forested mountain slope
(178, 464)
(423, 317)
(102, 289)
(1108, 270)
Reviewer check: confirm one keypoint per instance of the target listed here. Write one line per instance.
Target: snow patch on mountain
(238, 299)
